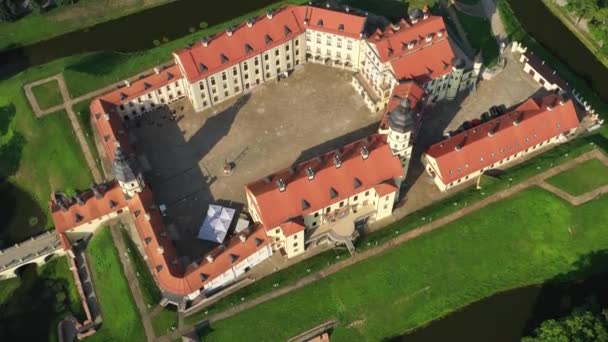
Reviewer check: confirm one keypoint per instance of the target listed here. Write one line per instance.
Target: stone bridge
(36, 250)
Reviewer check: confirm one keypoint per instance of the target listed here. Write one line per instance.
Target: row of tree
(11, 10)
(596, 11)
(584, 324)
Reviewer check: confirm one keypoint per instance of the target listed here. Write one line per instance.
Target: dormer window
(305, 204)
(332, 192)
(202, 67)
(267, 39)
(287, 30)
(341, 27)
(248, 48)
(357, 183)
(320, 23)
(223, 58)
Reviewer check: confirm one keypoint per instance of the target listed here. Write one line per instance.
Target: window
(295, 244)
(212, 80)
(236, 89)
(349, 45)
(215, 99)
(318, 40)
(314, 224)
(179, 93)
(339, 43)
(223, 76)
(256, 61)
(329, 41)
(296, 43)
(226, 93)
(277, 231)
(159, 91)
(341, 204)
(168, 87)
(317, 214)
(245, 66)
(355, 198)
(267, 75)
(277, 62)
(246, 76)
(386, 206)
(266, 57)
(366, 193)
(327, 210)
(276, 52)
(204, 103)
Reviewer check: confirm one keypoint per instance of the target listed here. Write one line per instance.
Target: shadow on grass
(99, 64)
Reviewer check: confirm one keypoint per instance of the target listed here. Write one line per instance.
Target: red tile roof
(110, 128)
(303, 196)
(143, 86)
(430, 62)
(475, 149)
(410, 90)
(284, 25)
(331, 21)
(385, 189)
(392, 44)
(92, 208)
(292, 227)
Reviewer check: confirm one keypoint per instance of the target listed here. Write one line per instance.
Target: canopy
(216, 224)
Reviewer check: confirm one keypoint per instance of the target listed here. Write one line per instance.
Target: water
(135, 32)
(548, 30)
(508, 316)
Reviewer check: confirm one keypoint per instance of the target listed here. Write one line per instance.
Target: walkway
(496, 197)
(133, 281)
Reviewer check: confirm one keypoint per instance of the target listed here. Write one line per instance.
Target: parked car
(485, 117)
(502, 109)
(494, 111)
(466, 125)
(475, 122)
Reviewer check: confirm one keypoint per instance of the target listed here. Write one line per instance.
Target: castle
(398, 69)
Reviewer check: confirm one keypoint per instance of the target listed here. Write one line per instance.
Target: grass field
(582, 178)
(164, 321)
(85, 13)
(24, 317)
(503, 246)
(150, 292)
(479, 32)
(121, 321)
(48, 94)
(81, 109)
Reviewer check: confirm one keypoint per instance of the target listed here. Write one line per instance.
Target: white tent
(216, 224)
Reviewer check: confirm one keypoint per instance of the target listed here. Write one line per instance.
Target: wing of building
(503, 140)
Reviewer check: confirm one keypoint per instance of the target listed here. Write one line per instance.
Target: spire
(400, 119)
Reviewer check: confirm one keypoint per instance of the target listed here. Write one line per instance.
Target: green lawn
(581, 179)
(164, 321)
(81, 109)
(503, 246)
(28, 317)
(150, 292)
(121, 320)
(481, 38)
(85, 13)
(48, 94)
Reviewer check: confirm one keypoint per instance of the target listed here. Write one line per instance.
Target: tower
(400, 130)
(127, 173)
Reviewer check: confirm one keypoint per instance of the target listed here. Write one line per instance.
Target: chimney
(78, 199)
(337, 161)
(364, 152)
(209, 258)
(327, 4)
(440, 33)
(229, 31)
(249, 22)
(269, 14)
(549, 107)
(243, 238)
(160, 250)
(205, 42)
(127, 83)
(561, 102)
(410, 45)
(156, 70)
(347, 9)
(310, 172)
(396, 27)
(106, 116)
(147, 216)
(281, 185)
(429, 37)
(98, 194)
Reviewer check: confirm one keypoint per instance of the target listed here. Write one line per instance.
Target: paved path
(133, 281)
(496, 197)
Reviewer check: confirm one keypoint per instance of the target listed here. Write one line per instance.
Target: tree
(37, 6)
(581, 326)
(8, 10)
(582, 8)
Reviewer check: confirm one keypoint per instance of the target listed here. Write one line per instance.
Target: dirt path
(499, 196)
(133, 282)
